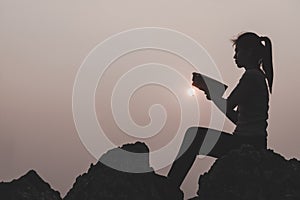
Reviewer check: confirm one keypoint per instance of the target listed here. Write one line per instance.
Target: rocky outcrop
(249, 174)
(243, 174)
(105, 183)
(28, 187)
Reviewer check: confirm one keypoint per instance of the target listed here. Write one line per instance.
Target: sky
(44, 43)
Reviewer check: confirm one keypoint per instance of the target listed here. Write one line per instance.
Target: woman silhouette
(247, 107)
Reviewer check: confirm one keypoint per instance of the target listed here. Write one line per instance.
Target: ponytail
(267, 63)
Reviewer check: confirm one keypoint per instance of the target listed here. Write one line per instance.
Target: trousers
(211, 142)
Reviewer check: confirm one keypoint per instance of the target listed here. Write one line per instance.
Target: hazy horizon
(43, 45)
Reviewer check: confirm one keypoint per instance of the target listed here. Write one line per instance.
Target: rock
(28, 187)
(105, 183)
(128, 158)
(250, 174)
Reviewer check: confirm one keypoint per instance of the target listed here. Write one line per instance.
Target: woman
(247, 107)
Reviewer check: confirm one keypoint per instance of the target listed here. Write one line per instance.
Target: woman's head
(251, 51)
(248, 50)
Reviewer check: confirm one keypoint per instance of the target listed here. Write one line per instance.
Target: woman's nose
(234, 56)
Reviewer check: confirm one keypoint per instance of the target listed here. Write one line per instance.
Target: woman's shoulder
(253, 74)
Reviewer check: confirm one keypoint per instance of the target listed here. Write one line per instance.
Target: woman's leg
(191, 147)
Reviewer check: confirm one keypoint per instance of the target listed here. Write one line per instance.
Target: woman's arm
(240, 93)
(228, 110)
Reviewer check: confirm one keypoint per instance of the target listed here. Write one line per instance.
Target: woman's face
(243, 57)
(246, 58)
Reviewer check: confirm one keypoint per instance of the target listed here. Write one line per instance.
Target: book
(209, 85)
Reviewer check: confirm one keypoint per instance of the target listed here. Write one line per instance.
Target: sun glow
(191, 92)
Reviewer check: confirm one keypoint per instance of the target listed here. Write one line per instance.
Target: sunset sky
(44, 43)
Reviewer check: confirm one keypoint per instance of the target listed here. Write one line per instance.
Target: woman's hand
(207, 95)
(199, 82)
